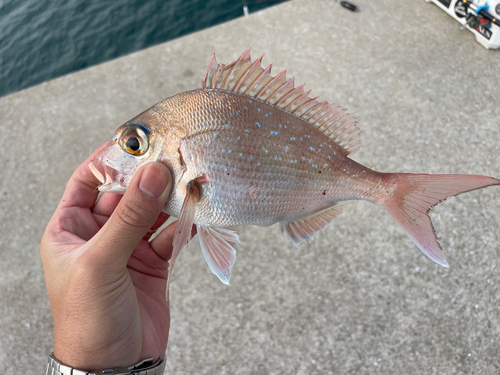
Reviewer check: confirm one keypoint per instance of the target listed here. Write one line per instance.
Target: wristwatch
(145, 367)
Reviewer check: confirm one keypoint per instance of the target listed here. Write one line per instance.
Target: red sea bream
(249, 148)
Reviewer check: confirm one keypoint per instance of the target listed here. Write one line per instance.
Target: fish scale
(251, 148)
(241, 147)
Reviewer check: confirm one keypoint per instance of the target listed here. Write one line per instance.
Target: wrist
(91, 352)
(100, 329)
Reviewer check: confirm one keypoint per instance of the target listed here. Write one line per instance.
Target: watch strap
(145, 367)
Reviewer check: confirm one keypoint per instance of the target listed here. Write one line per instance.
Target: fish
(250, 148)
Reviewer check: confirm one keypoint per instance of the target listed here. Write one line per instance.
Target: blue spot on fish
(144, 128)
(257, 124)
(226, 126)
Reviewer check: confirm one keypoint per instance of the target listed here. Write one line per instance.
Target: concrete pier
(360, 298)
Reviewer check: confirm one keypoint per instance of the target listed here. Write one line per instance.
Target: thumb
(135, 214)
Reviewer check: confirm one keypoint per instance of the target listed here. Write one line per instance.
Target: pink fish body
(249, 148)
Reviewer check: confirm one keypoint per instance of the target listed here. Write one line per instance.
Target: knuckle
(132, 214)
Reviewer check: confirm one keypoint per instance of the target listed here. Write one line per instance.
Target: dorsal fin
(246, 77)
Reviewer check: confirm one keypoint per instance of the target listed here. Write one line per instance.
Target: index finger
(81, 190)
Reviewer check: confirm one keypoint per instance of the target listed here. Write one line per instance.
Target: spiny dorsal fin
(246, 77)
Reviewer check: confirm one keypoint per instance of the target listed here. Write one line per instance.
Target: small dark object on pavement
(349, 6)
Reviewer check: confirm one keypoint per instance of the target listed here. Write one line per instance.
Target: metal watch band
(145, 367)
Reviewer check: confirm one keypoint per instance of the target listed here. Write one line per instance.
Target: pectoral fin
(185, 222)
(217, 247)
(302, 230)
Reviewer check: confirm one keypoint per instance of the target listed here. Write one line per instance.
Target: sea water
(44, 39)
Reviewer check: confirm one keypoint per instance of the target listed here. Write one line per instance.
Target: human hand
(106, 283)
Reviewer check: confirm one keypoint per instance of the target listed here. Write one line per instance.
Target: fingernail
(155, 180)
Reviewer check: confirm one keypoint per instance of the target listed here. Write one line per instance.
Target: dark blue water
(44, 39)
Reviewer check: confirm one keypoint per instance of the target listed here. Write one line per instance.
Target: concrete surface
(359, 299)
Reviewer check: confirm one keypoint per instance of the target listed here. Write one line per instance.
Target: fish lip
(105, 174)
(94, 168)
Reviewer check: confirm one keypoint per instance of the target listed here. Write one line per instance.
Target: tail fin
(416, 193)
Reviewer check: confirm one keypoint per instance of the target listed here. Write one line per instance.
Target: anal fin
(302, 230)
(217, 247)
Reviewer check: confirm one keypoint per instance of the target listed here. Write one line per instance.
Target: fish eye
(133, 144)
(134, 140)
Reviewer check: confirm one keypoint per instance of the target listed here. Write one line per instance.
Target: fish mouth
(106, 175)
